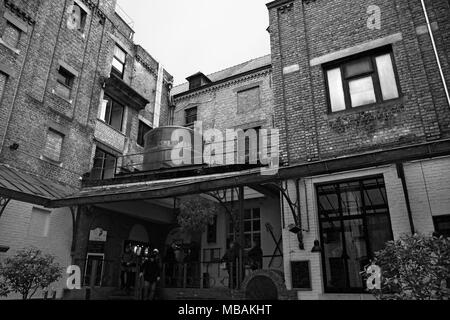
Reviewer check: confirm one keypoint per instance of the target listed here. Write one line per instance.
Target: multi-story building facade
(362, 107)
(76, 95)
(358, 91)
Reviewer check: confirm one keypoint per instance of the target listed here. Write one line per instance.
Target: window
(112, 113)
(212, 255)
(11, 35)
(442, 225)
(79, 17)
(190, 116)
(39, 223)
(143, 130)
(361, 81)
(354, 224)
(252, 228)
(53, 145)
(64, 85)
(211, 232)
(252, 146)
(104, 165)
(118, 64)
(248, 100)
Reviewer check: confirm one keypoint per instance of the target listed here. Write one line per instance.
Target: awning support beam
(3, 204)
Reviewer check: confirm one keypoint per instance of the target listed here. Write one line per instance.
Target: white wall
(17, 233)
(429, 191)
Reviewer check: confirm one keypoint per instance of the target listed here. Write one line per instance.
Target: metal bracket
(294, 206)
(3, 204)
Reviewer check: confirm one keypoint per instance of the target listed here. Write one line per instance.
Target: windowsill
(15, 50)
(109, 126)
(368, 107)
(51, 161)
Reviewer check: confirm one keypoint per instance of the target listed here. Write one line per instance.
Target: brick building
(354, 87)
(363, 110)
(77, 94)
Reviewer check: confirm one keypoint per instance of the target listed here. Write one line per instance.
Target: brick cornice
(224, 84)
(19, 12)
(278, 3)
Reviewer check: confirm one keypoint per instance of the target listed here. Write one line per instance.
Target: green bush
(4, 289)
(414, 268)
(196, 214)
(28, 271)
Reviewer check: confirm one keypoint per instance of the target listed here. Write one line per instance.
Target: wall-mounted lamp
(316, 247)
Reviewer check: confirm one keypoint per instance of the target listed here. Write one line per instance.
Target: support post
(241, 236)
(3, 204)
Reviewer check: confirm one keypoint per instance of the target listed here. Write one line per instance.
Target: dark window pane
(379, 231)
(256, 213)
(143, 130)
(347, 247)
(247, 226)
(351, 199)
(256, 225)
(191, 116)
(442, 225)
(356, 251)
(358, 67)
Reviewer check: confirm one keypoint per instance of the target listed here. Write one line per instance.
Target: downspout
(430, 31)
(401, 175)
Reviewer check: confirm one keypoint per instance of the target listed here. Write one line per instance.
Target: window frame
(45, 154)
(104, 160)
(440, 219)
(186, 117)
(83, 17)
(341, 219)
(114, 70)
(342, 63)
(109, 114)
(139, 137)
(252, 232)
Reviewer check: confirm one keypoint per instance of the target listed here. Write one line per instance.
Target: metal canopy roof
(22, 186)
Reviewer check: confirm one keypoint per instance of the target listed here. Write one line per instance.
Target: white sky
(188, 36)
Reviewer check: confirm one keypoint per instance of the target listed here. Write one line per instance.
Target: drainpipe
(401, 175)
(430, 31)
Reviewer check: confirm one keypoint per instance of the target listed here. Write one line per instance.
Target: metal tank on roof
(160, 143)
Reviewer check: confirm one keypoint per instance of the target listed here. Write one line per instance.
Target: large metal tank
(159, 146)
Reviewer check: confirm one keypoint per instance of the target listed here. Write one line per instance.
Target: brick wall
(302, 31)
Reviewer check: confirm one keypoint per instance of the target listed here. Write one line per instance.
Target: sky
(188, 36)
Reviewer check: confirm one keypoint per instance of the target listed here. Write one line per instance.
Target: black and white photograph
(241, 153)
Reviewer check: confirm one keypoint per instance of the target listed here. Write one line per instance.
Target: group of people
(149, 271)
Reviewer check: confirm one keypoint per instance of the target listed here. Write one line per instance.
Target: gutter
(430, 31)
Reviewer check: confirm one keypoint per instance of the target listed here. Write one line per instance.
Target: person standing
(128, 263)
(231, 258)
(255, 256)
(150, 271)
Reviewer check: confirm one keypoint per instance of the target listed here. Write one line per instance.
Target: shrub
(28, 271)
(414, 268)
